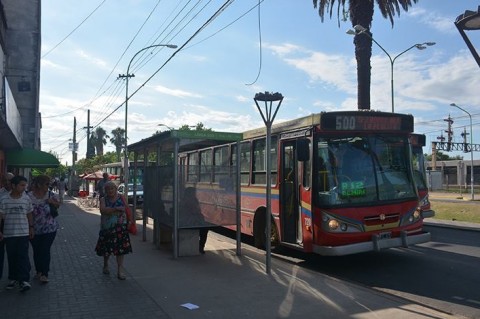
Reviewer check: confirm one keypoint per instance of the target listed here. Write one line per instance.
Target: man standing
(16, 210)
(5, 189)
(100, 189)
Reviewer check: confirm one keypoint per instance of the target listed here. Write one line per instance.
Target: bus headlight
(417, 213)
(413, 216)
(337, 224)
(333, 224)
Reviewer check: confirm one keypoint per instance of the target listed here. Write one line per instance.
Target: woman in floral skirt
(113, 237)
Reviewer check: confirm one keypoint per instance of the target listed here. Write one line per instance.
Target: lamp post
(358, 29)
(168, 127)
(470, 20)
(471, 148)
(268, 117)
(127, 76)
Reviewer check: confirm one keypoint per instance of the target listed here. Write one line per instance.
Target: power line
(75, 29)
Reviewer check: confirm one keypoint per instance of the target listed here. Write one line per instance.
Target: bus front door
(289, 208)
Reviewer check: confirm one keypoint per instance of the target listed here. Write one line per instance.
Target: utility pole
(89, 143)
(449, 132)
(74, 154)
(125, 148)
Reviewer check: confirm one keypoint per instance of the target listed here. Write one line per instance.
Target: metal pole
(468, 43)
(471, 149)
(176, 200)
(268, 230)
(471, 157)
(391, 85)
(238, 208)
(268, 119)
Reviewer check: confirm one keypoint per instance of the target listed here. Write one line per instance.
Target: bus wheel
(259, 231)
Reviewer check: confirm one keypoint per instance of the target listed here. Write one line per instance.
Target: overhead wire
(75, 29)
(129, 44)
(223, 28)
(212, 18)
(117, 90)
(259, 47)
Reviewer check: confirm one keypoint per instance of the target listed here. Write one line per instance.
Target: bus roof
(361, 120)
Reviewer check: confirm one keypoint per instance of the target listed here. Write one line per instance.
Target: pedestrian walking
(100, 188)
(113, 238)
(45, 225)
(16, 212)
(62, 188)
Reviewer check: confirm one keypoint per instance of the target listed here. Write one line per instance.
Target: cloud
(433, 19)
(176, 92)
(452, 81)
(91, 59)
(337, 71)
(47, 64)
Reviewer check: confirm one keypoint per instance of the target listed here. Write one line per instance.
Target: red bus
(418, 141)
(341, 182)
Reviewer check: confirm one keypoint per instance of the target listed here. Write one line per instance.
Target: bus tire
(260, 230)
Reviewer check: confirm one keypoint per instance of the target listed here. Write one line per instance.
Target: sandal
(121, 276)
(106, 271)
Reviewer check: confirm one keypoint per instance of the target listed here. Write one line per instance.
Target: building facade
(20, 54)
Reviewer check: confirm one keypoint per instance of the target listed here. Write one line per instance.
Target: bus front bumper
(376, 244)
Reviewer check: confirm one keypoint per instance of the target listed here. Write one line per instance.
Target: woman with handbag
(45, 209)
(113, 237)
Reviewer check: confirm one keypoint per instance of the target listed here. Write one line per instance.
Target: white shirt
(14, 212)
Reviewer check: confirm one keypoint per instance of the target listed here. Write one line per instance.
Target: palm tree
(99, 139)
(360, 12)
(118, 139)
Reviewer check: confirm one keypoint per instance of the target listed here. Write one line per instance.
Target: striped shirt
(14, 212)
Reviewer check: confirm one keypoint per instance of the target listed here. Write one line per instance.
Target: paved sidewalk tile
(77, 287)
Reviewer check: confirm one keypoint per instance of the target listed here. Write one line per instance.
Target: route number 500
(345, 123)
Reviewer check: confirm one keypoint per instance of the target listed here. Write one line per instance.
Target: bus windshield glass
(419, 171)
(363, 169)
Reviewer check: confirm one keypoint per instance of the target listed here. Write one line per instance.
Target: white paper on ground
(190, 306)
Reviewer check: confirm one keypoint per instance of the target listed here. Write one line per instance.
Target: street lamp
(127, 77)
(168, 127)
(471, 148)
(268, 118)
(470, 20)
(358, 29)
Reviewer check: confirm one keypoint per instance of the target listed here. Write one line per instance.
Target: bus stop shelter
(164, 183)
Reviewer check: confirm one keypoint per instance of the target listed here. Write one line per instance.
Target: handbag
(53, 208)
(131, 226)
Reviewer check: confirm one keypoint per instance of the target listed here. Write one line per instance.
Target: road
(443, 274)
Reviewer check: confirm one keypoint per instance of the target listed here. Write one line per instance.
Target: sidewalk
(222, 284)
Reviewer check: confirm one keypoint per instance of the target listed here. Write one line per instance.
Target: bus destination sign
(351, 121)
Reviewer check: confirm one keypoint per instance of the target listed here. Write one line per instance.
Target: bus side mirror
(303, 150)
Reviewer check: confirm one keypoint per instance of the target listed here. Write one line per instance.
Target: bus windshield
(419, 170)
(363, 169)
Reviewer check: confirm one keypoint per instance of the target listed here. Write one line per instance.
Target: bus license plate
(385, 235)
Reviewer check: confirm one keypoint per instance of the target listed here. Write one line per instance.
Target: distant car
(139, 192)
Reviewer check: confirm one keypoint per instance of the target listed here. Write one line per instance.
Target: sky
(224, 57)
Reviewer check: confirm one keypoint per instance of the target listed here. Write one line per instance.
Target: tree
(99, 139)
(91, 147)
(443, 157)
(118, 139)
(185, 127)
(360, 12)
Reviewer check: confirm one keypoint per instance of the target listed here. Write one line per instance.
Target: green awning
(28, 157)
